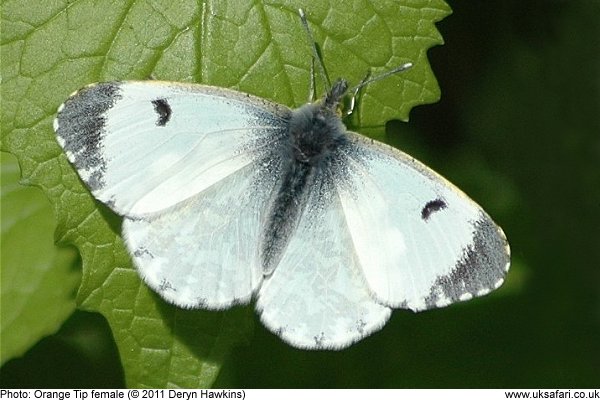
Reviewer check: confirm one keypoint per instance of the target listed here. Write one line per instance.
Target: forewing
(142, 147)
(316, 297)
(421, 243)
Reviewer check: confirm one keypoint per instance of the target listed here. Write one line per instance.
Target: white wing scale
(192, 168)
(383, 232)
(317, 298)
(150, 145)
(203, 252)
(421, 242)
(189, 166)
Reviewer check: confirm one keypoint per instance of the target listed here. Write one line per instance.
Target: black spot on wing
(431, 207)
(480, 269)
(281, 331)
(201, 302)
(165, 285)
(319, 340)
(81, 127)
(163, 109)
(360, 326)
(142, 252)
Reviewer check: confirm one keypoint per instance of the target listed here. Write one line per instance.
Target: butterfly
(228, 198)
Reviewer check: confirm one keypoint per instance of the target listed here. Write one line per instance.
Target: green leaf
(50, 50)
(38, 281)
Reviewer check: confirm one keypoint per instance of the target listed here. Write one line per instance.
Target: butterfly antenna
(368, 80)
(315, 52)
(312, 89)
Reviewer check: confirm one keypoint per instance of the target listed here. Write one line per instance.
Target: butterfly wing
(317, 297)
(190, 167)
(203, 253)
(379, 230)
(142, 147)
(421, 243)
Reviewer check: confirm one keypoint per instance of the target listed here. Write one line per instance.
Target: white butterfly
(226, 196)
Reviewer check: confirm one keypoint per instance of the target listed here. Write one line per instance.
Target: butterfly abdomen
(284, 212)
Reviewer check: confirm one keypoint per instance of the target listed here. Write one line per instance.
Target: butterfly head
(316, 129)
(334, 97)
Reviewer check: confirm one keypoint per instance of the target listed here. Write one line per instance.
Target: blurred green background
(518, 129)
